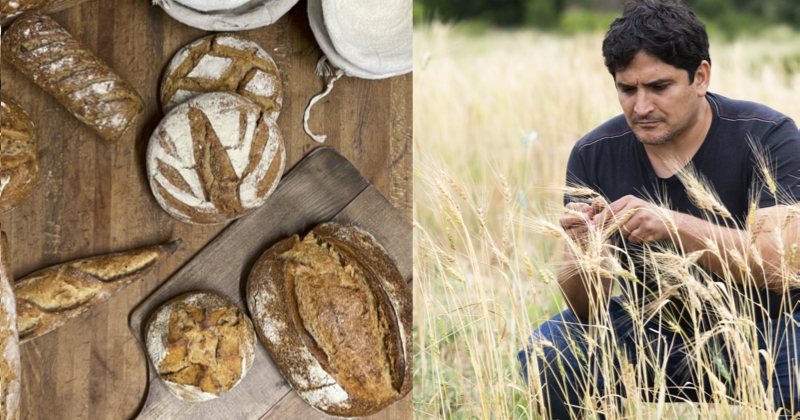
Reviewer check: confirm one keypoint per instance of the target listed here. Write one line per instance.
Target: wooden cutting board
(324, 186)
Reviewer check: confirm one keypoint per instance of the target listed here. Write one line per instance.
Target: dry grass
(495, 117)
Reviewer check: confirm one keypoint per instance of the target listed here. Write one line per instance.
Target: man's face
(657, 99)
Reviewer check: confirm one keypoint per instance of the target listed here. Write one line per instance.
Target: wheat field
(495, 117)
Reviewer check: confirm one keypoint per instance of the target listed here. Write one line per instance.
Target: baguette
(63, 67)
(10, 366)
(335, 315)
(50, 297)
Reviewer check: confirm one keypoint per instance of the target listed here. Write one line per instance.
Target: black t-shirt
(613, 162)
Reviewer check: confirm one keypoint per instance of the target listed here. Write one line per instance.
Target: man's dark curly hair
(668, 31)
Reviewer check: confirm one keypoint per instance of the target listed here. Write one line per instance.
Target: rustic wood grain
(93, 198)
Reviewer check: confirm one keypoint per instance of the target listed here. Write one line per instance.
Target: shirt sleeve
(781, 151)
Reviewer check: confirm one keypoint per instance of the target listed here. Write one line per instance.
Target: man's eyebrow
(658, 82)
(648, 84)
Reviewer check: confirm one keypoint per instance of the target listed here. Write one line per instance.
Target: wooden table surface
(93, 198)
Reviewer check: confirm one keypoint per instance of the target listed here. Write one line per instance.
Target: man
(657, 53)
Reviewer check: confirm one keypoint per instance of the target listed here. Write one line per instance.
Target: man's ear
(702, 77)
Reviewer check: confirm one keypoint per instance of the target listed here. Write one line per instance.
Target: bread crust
(63, 67)
(214, 158)
(223, 63)
(337, 370)
(180, 334)
(9, 8)
(48, 298)
(10, 366)
(19, 157)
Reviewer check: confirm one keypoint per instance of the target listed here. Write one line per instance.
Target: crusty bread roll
(10, 367)
(223, 63)
(52, 296)
(214, 158)
(201, 344)
(335, 315)
(63, 67)
(10, 8)
(19, 157)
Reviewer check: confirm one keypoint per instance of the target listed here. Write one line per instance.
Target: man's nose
(644, 105)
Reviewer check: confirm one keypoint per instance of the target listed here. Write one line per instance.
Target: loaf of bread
(10, 367)
(10, 8)
(214, 158)
(52, 296)
(19, 157)
(223, 63)
(201, 344)
(335, 315)
(63, 67)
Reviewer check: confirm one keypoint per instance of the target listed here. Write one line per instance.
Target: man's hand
(576, 222)
(647, 222)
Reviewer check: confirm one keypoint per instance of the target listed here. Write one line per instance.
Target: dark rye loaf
(335, 315)
(62, 66)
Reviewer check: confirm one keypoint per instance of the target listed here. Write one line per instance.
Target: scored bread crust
(10, 366)
(318, 376)
(214, 158)
(9, 8)
(19, 158)
(48, 298)
(158, 344)
(63, 67)
(223, 63)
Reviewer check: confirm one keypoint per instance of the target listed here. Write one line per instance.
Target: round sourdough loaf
(335, 315)
(223, 63)
(10, 366)
(19, 159)
(214, 158)
(201, 344)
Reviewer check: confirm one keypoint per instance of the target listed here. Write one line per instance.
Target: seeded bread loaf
(10, 8)
(214, 158)
(50, 297)
(201, 344)
(63, 67)
(223, 63)
(19, 158)
(10, 367)
(335, 315)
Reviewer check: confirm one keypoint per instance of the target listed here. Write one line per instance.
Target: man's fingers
(569, 222)
(615, 210)
(581, 207)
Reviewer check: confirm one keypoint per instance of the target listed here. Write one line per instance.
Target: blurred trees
(728, 16)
